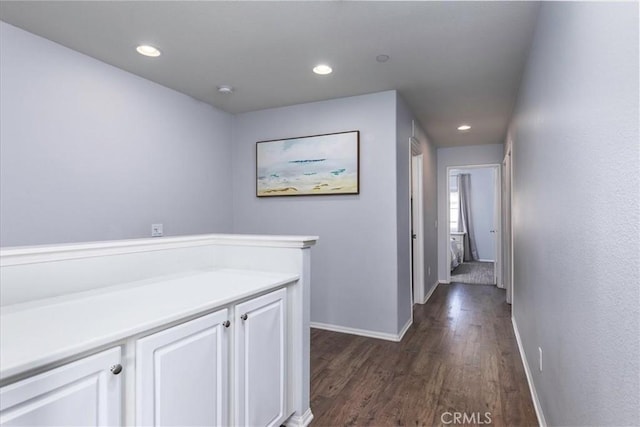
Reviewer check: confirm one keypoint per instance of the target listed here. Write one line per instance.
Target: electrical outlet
(156, 230)
(540, 358)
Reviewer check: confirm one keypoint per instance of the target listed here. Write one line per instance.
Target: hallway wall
(430, 208)
(576, 213)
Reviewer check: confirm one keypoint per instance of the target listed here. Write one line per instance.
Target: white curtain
(464, 217)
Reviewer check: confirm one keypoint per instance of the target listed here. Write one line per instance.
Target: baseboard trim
(362, 332)
(300, 421)
(433, 288)
(527, 371)
(485, 260)
(405, 328)
(374, 334)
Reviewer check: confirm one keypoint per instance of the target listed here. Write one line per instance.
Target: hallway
(460, 355)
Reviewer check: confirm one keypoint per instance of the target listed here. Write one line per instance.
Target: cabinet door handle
(116, 369)
(226, 323)
(244, 317)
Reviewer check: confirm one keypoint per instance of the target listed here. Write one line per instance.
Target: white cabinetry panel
(182, 374)
(83, 393)
(260, 360)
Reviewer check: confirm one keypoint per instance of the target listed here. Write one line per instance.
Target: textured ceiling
(453, 62)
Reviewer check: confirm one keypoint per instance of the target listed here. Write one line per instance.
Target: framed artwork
(326, 164)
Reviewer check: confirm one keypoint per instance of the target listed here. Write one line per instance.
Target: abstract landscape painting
(311, 165)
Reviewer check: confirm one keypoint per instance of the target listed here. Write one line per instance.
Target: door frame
(417, 223)
(497, 219)
(508, 222)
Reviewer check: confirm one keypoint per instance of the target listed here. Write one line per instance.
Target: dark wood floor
(460, 355)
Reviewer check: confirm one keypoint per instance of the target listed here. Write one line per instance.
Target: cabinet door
(181, 374)
(82, 393)
(260, 360)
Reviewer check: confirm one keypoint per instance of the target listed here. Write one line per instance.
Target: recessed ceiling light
(382, 58)
(322, 69)
(147, 50)
(225, 89)
(464, 127)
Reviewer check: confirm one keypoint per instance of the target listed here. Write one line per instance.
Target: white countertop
(42, 332)
(48, 253)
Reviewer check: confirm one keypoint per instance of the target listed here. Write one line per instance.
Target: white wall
(458, 156)
(577, 213)
(354, 273)
(483, 204)
(91, 152)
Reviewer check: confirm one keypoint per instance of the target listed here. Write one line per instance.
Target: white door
(182, 374)
(417, 234)
(84, 393)
(497, 227)
(260, 360)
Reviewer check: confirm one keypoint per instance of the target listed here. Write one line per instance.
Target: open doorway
(474, 224)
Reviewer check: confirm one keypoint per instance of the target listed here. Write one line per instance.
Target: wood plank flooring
(460, 355)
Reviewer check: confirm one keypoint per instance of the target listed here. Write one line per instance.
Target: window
(454, 203)
(454, 208)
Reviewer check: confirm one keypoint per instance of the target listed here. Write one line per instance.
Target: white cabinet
(131, 294)
(208, 371)
(83, 393)
(260, 360)
(182, 374)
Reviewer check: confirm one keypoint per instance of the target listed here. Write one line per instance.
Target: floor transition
(460, 356)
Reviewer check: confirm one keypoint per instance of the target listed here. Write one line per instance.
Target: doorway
(474, 228)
